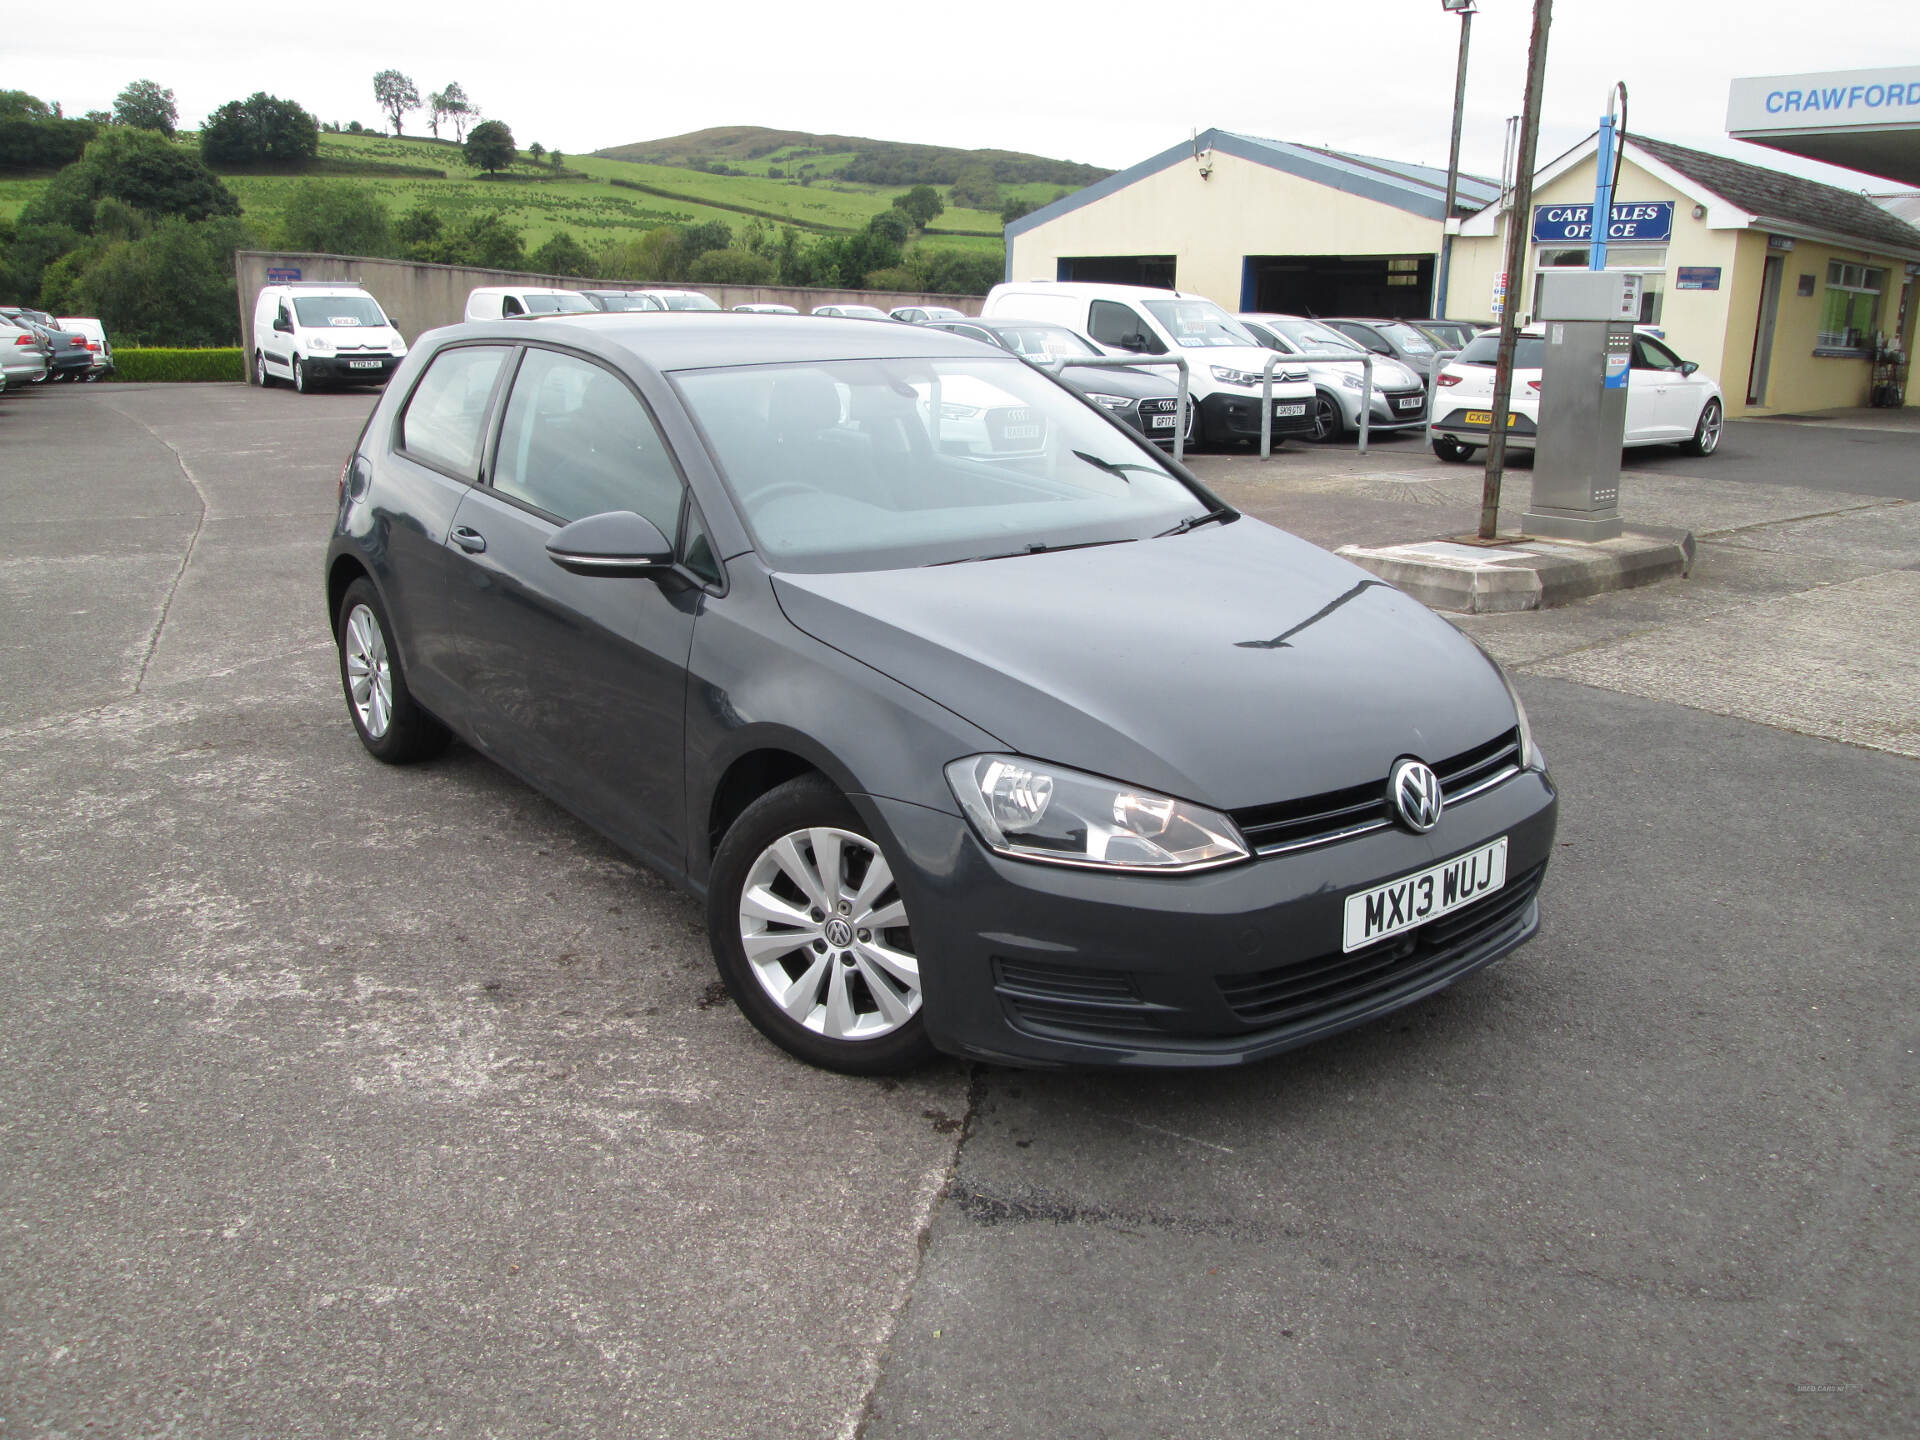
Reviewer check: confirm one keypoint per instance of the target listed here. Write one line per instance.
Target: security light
(1459, 5)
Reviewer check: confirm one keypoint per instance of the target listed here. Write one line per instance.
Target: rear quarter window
(444, 424)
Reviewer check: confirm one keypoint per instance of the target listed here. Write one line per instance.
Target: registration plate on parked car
(363, 364)
(1299, 409)
(1160, 422)
(1410, 402)
(1424, 895)
(1485, 417)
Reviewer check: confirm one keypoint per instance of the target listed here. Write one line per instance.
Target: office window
(1850, 313)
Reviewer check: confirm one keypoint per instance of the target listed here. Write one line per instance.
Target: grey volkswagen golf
(980, 725)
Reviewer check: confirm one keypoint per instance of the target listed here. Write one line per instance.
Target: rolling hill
(755, 149)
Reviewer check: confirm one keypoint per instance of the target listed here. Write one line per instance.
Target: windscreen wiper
(1193, 522)
(1035, 549)
(1112, 467)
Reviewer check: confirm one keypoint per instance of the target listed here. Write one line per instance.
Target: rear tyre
(260, 375)
(1706, 435)
(1329, 425)
(1451, 450)
(389, 722)
(810, 933)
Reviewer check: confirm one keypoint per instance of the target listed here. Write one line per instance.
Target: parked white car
(1670, 401)
(767, 309)
(1224, 361)
(680, 299)
(922, 314)
(1399, 393)
(851, 312)
(313, 332)
(504, 302)
(95, 334)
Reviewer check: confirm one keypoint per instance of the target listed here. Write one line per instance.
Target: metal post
(1182, 404)
(1602, 192)
(1441, 281)
(1519, 233)
(1364, 360)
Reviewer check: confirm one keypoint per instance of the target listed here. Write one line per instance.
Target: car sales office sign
(1573, 224)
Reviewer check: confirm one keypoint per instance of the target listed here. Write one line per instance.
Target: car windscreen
(342, 310)
(879, 464)
(1528, 351)
(689, 302)
(623, 303)
(1044, 342)
(568, 304)
(1408, 337)
(1309, 336)
(1196, 324)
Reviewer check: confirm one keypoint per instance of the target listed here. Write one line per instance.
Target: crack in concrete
(186, 560)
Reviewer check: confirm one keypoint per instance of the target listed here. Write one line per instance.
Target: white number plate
(1299, 409)
(363, 364)
(1160, 422)
(1412, 402)
(1426, 895)
(1022, 432)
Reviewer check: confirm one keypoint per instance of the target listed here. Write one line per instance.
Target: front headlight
(951, 411)
(1531, 758)
(1036, 811)
(318, 343)
(1226, 375)
(1110, 402)
(1352, 381)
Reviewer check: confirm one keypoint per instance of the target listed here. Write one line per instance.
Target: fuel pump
(1588, 318)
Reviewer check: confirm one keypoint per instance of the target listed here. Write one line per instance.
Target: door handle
(468, 539)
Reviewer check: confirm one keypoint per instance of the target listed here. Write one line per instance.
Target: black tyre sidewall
(412, 734)
(1452, 451)
(1336, 426)
(1697, 445)
(300, 376)
(796, 805)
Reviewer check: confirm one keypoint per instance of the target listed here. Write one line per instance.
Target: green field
(583, 200)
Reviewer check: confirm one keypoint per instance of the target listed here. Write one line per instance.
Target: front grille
(1360, 809)
(1311, 989)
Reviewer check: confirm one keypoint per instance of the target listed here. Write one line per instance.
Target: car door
(1684, 390)
(1651, 405)
(278, 346)
(576, 682)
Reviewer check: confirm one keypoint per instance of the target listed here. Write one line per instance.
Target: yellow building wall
(1212, 225)
(1714, 327)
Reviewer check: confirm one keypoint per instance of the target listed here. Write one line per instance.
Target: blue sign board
(1698, 277)
(277, 275)
(1573, 224)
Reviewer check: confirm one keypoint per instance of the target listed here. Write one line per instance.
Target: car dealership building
(1797, 295)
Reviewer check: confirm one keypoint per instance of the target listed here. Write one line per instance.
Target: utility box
(1586, 366)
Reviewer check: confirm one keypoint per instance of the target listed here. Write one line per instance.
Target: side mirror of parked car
(1687, 367)
(617, 542)
(280, 322)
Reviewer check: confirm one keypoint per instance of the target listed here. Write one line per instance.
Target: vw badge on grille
(1414, 791)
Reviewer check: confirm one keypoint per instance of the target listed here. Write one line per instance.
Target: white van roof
(1091, 290)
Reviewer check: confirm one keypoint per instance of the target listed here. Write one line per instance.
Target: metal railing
(1365, 360)
(1126, 362)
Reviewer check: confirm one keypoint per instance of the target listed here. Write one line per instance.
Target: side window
(1112, 323)
(445, 419)
(577, 442)
(510, 305)
(974, 332)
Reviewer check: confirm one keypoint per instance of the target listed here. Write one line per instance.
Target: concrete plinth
(1524, 573)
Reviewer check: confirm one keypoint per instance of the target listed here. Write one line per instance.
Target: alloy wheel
(369, 671)
(825, 933)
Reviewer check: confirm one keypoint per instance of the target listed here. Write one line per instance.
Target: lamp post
(1466, 11)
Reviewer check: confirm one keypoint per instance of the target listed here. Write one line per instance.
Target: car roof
(702, 339)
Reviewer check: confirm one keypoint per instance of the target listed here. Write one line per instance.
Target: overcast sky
(1108, 83)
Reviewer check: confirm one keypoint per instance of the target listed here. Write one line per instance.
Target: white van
(503, 302)
(1224, 361)
(318, 331)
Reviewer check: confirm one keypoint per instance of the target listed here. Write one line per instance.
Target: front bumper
(1230, 416)
(343, 369)
(1033, 964)
(1138, 417)
(1387, 412)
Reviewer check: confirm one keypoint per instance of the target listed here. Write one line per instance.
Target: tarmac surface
(351, 1101)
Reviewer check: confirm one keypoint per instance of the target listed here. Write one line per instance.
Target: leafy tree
(1015, 208)
(920, 205)
(419, 233)
(354, 127)
(958, 272)
(562, 255)
(337, 219)
(556, 159)
(147, 171)
(536, 150)
(260, 130)
(396, 95)
(656, 254)
(488, 241)
(457, 110)
(490, 147)
(145, 106)
(99, 117)
(975, 190)
(698, 239)
(731, 267)
(172, 287)
(35, 142)
(891, 224)
(18, 104)
(26, 251)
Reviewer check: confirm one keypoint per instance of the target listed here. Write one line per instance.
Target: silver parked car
(23, 354)
(1399, 393)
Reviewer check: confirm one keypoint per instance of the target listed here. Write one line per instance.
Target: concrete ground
(347, 1101)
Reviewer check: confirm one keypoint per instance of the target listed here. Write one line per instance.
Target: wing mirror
(618, 542)
(280, 322)
(1687, 367)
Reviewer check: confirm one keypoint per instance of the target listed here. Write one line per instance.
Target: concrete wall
(1212, 225)
(423, 297)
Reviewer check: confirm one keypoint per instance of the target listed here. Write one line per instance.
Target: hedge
(132, 363)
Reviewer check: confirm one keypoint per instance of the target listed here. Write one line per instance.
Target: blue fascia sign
(1573, 224)
(282, 275)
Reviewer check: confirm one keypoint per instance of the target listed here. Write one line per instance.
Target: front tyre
(389, 722)
(260, 375)
(1706, 435)
(1329, 425)
(810, 933)
(300, 381)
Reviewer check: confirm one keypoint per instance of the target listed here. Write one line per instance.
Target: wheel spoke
(826, 859)
(786, 854)
(840, 1013)
(771, 944)
(802, 997)
(886, 917)
(896, 1010)
(760, 903)
(879, 876)
(903, 967)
